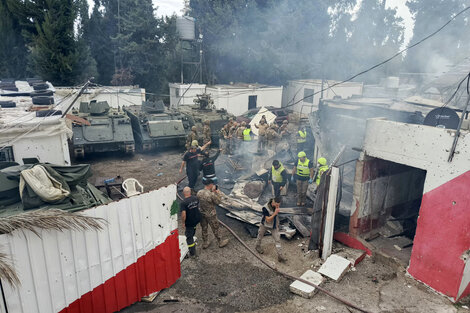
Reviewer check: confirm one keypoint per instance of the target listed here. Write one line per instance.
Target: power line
(386, 60)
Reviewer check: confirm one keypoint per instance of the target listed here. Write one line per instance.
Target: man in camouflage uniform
(191, 137)
(239, 134)
(272, 137)
(223, 138)
(233, 137)
(206, 132)
(262, 128)
(209, 197)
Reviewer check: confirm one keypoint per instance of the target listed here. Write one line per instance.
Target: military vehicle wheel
(7, 104)
(130, 149)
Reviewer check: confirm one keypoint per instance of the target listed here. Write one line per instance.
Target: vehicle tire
(7, 104)
(43, 100)
(40, 86)
(10, 88)
(44, 113)
(79, 153)
(37, 93)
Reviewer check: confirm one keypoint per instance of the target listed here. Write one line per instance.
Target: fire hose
(288, 276)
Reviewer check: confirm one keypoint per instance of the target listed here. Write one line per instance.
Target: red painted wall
(157, 269)
(442, 236)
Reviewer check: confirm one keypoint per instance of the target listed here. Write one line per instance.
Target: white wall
(235, 100)
(295, 93)
(177, 90)
(419, 146)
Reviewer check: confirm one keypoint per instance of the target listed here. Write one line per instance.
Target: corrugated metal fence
(136, 254)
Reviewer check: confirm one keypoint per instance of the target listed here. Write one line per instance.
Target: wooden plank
(299, 225)
(330, 214)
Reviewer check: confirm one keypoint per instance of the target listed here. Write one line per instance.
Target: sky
(168, 7)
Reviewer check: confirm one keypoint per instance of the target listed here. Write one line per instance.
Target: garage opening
(389, 197)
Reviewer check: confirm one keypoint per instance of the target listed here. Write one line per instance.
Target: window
(252, 102)
(308, 95)
(6, 154)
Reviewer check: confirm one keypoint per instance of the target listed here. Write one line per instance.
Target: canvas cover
(270, 118)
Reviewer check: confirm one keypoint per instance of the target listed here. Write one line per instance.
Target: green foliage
(175, 208)
(13, 51)
(271, 41)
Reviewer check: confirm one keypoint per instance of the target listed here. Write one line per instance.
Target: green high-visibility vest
(246, 134)
(303, 136)
(276, 173)
(321, 170)
(302, 168)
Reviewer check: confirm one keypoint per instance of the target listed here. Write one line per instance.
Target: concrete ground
(232, 280)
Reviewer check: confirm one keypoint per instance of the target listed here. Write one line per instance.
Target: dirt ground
(232, 280)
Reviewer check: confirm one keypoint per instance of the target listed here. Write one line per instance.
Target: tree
(448, 46)
(13, 50)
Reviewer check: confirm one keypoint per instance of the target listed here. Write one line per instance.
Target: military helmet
(194, 144)
(284, 122)
(207, 122)
(194, 128)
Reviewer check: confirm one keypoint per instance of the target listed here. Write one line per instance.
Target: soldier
(270, 221)
(209, 197)
(272, 137)
(240, 130)
(263, 119)
(303, 173)
(262, 127)
(190, 216)
(233, 137)
(284, 130)
(223, 135)
(206, 132)
(191, 137)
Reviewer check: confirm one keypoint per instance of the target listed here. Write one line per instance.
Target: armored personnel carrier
(155, 127)
(203, 110)
(104, 129)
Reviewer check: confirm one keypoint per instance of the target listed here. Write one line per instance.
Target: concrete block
(304, 290)
(335, 267)
(353, 255)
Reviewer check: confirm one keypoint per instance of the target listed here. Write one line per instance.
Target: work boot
(259, 249)
(281, 258)
(206, 244)
(223, 243)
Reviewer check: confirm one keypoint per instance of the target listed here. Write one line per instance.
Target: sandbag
(43, 184)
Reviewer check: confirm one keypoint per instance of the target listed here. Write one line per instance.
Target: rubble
(303, 289)
(335, 267)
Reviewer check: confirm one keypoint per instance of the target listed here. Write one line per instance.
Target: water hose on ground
(288, 276)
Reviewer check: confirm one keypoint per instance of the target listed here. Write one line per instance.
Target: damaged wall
(443, 228)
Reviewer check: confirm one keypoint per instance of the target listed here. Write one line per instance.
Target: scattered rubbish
(222, 294)
(304, 290)
(397, 247)
(335, 267)
(375, 280)
(171, 300)
(302, 224)
(353, 255)
(464, 307)
(159, 174)
(150, 297)
(109, 180)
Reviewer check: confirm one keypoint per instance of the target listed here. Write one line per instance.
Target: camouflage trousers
(261, 143)
(302, 186)
(211, 220)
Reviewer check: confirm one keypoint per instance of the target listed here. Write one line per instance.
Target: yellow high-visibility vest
(276, 173)
(246, 134)
(321, 170)
(303, 136)
(302, 168)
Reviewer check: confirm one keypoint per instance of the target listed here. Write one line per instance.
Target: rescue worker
(303, 173)
(191, 137)
(262, 127)
(208, 167)
(272, 137)
(190, 217)
(321, 168)
(270, 221)
(190, 159)
(206, 132)
(301, 138)
(247, 134)
(277, 176)
(209, 197)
